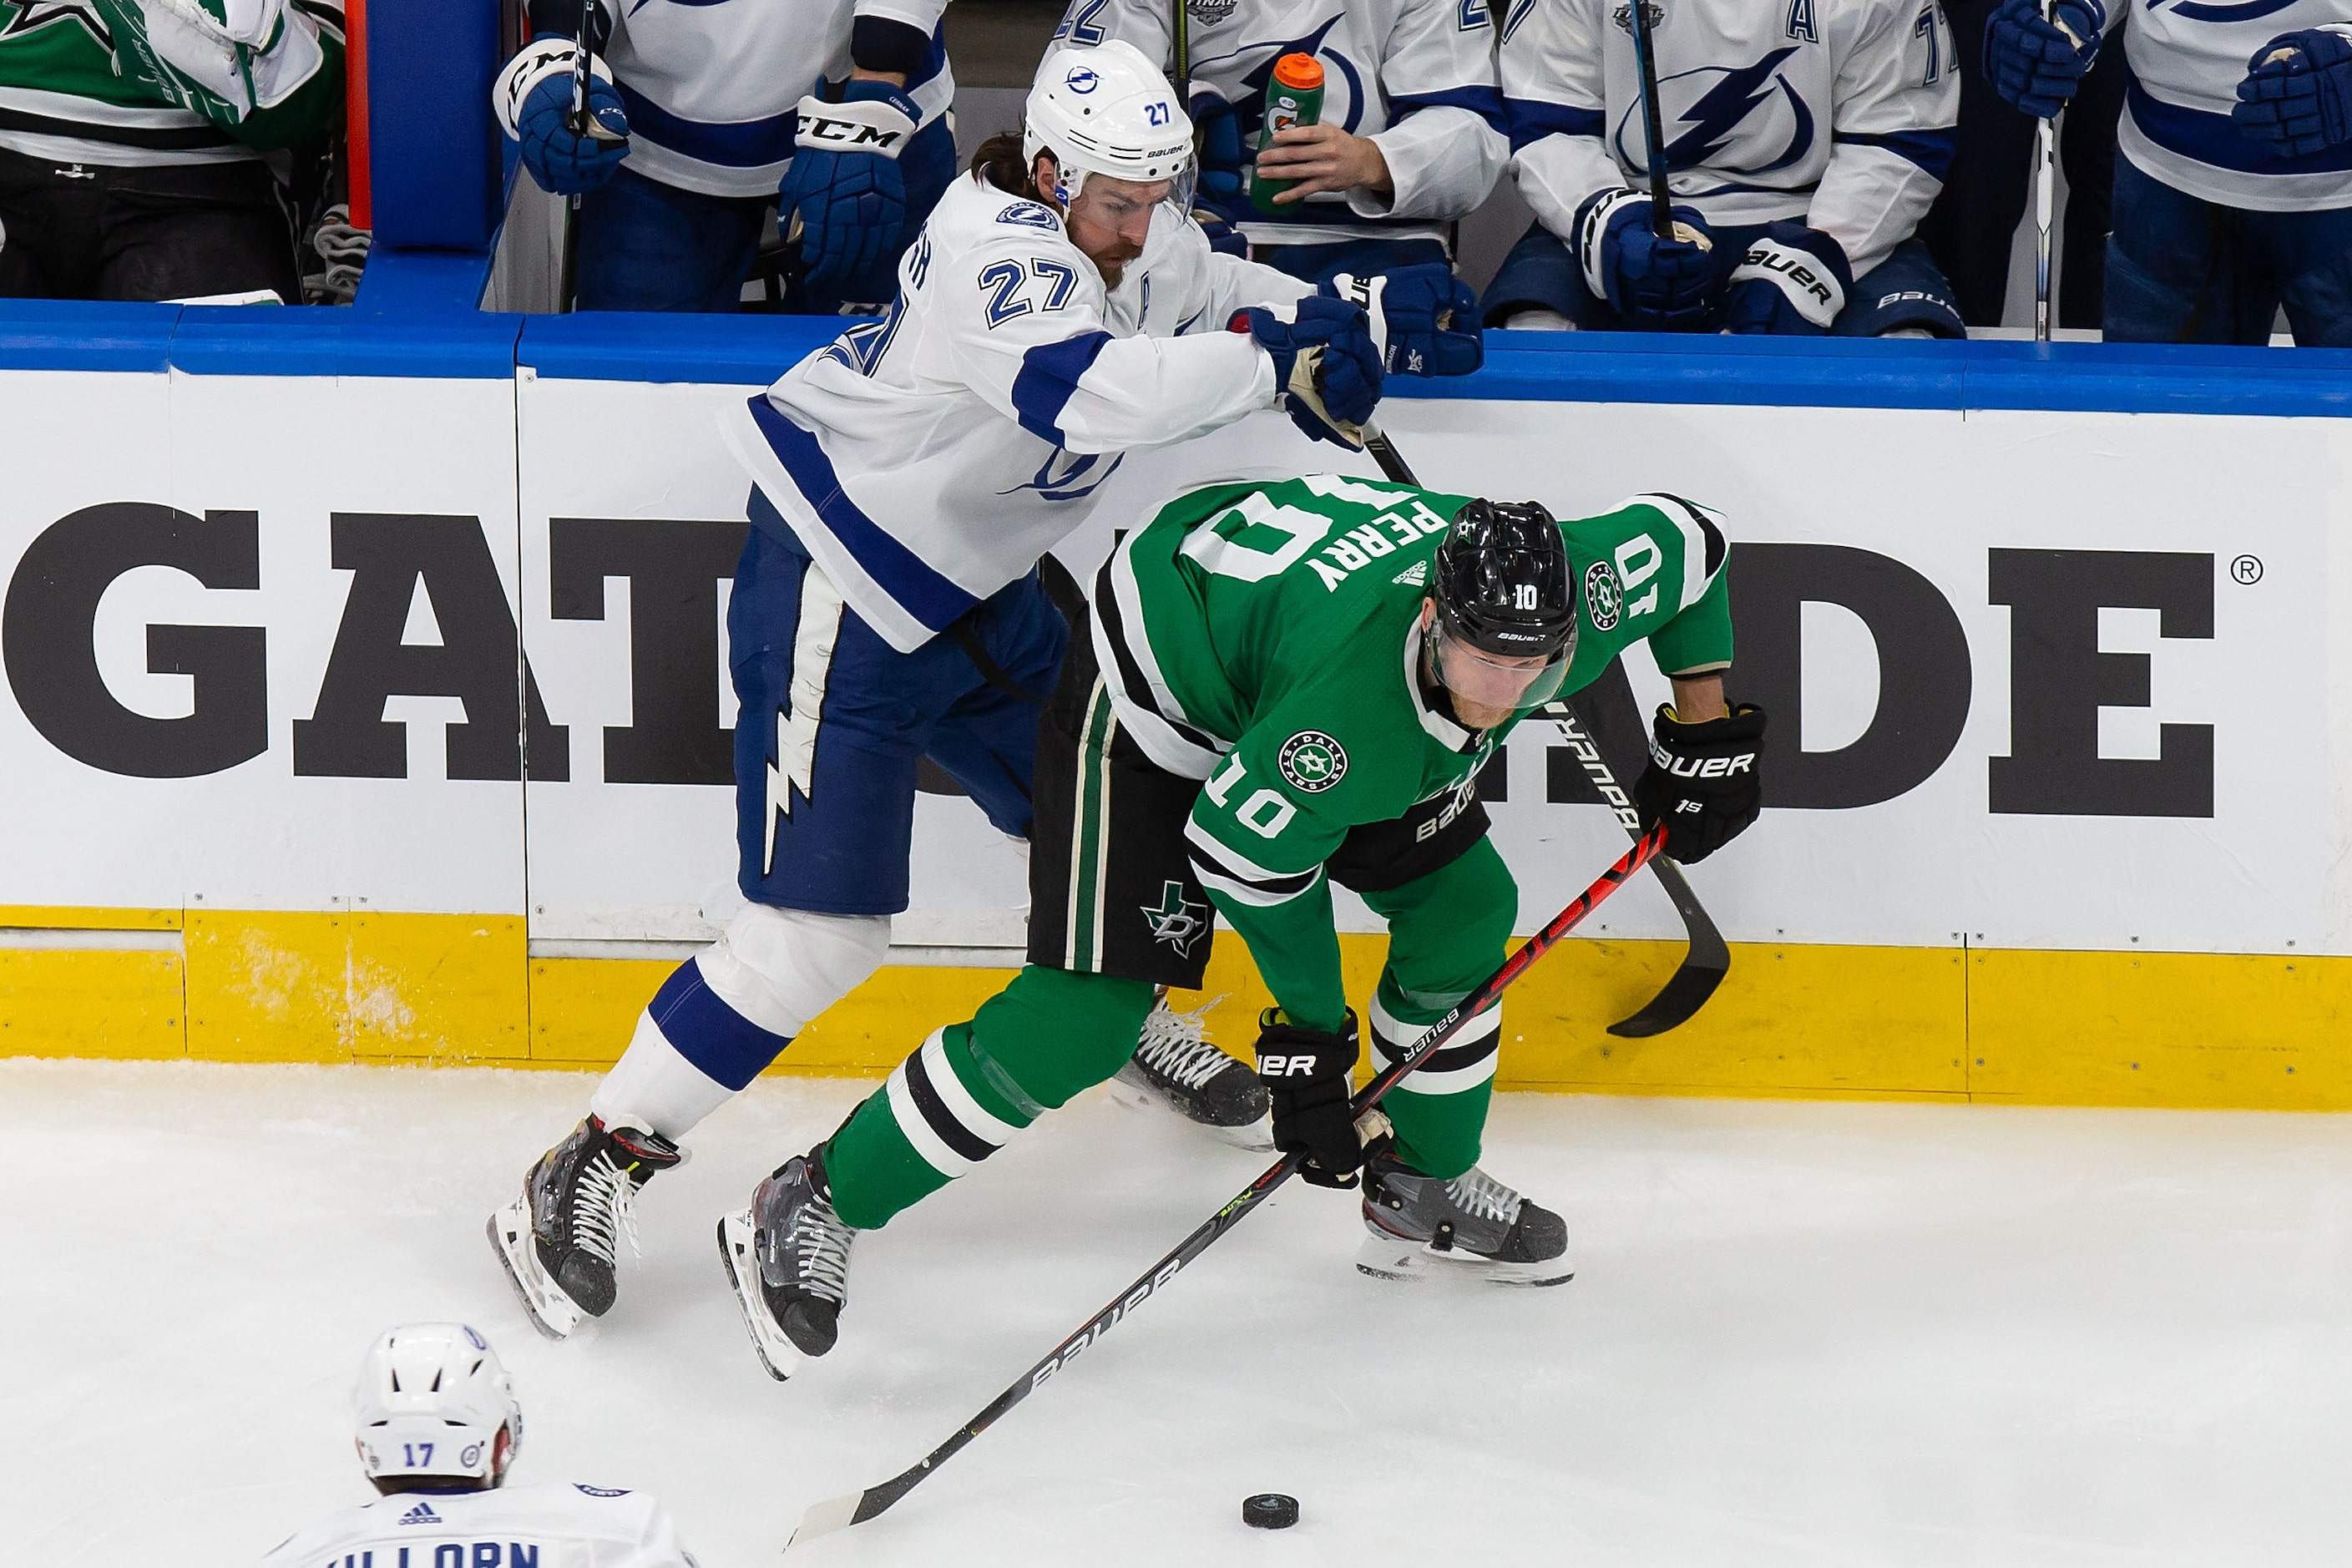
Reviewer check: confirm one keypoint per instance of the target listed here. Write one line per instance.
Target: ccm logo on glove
(870, 127)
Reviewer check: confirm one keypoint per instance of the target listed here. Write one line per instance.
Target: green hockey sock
(972, 1085)
(1446, 934)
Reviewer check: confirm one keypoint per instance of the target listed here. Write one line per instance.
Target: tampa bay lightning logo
(1069, 476)
(1749, 120)
(1082, 80)
(1029, 214)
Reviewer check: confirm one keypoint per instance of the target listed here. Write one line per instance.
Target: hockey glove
(533, 99)
(1306, 1072)
(845, 182)
(1223, 185)
(2297, 94)
(2035, 66)
(1657, 285)
(1326, 366)
(221, 58)
(1224, 237)
(1791, 280)
(1702, 781)
(1425, 319)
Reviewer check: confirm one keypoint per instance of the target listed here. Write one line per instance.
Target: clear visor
(1493, 679)
(1111, 200)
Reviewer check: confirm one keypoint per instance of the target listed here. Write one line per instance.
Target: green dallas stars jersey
(78, 86)
(1265, 639)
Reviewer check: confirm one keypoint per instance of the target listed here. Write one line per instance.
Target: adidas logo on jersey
(1416, 575)
(421, 1514)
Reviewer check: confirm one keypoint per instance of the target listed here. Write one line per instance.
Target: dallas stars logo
(1312, 761)
(1175, 921)
(31, 16)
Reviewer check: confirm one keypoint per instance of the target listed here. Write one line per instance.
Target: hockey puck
(1269, 1510)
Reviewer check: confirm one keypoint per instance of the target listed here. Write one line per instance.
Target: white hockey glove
(221, 58)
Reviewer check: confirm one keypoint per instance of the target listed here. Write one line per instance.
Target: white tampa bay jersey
(2187, 59)
(712, 86)
(927, 459)
(1840, 113)
(549, 1526)
(1415, 76)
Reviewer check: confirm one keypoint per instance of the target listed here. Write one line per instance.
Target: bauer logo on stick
(1312, 761)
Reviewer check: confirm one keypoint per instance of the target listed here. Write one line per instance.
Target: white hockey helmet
(1107, 110)
(433, 1401)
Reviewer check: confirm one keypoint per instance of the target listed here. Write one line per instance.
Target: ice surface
(1801, 1334)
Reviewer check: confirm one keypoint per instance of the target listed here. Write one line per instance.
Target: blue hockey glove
(1426, 317)
(1791, 280)
(1223, 238)
(2033, 66)
(1327, 368)
(2297, 94)
(1657, 285)
(845, 182)
(532, 96)
(1221, 156)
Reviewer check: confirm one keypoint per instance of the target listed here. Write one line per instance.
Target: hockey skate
(1175, 1066)
(787, 1257)
(558, 1242)
(1472, 1227)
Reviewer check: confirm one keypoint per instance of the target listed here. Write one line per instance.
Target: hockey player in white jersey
(1058, 311)
(1410, 135)
(2234, 163)
(437, 1430)
(1804, 140)
(713, 113)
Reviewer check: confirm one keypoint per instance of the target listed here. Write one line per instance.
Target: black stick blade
(1684, 993)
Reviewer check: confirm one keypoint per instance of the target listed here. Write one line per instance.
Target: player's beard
(1112, 262)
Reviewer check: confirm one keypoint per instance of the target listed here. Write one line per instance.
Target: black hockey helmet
(1506, 605)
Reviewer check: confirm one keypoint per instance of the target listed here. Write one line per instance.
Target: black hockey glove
(1306, 1075)
(1701, 780)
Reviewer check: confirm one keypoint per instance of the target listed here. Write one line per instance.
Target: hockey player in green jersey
(132, 136)
(1288, 685)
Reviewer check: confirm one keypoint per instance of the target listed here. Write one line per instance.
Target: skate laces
(1476, 1193)
(604, 1209)
(1176, 1045)
(820, 1246)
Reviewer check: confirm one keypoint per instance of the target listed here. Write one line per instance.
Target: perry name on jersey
(712, 88)
(1266, 639)
(1840, 113)
(552, 1525)
(927, 459)
(2186, 62)
(1416, 75)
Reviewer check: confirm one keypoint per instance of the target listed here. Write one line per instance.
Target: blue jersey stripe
(2214, 141)
(1531, 120)
(895, 569)
(1049, 377)
(1483, 101)
(745, 145)
(1931, 150)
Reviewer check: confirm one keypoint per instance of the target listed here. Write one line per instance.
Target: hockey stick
(581, 123)
(857, 1508)
(1708, 959)
(1646, 65)
(2045, 147)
